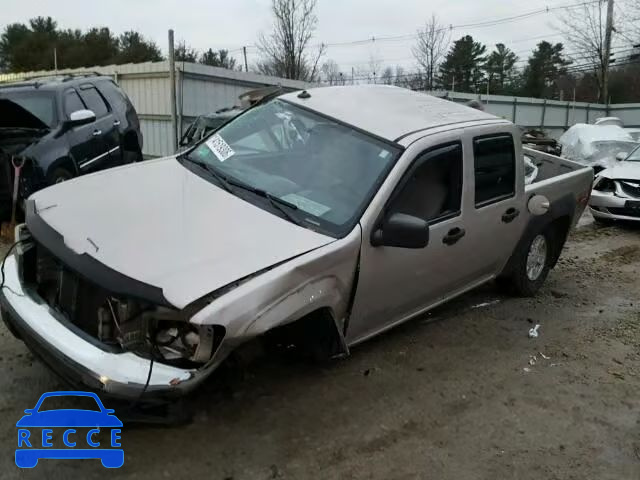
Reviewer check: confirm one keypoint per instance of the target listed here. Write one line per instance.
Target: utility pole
(55, 60)
(353, 76)
(172, 92)
(453, 83)
(246, 65)
(607, 54)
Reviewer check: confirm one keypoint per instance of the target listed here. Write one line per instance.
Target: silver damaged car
(316, 219)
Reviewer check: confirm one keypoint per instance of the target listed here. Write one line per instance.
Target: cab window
(432, 190)
(495, 168)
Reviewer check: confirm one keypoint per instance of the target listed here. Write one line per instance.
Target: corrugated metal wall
(553, 116)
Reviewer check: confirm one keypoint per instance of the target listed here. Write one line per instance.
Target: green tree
(134, 48)
(184, 53)
(462, 68)
(218, 58)
(545, 65)
(500, 68)
(27, 47)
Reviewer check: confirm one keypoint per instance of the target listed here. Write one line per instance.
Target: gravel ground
(460, 393)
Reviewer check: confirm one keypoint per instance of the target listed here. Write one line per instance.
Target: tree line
(41, 45)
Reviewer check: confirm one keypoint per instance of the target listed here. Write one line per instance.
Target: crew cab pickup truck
(316, 219)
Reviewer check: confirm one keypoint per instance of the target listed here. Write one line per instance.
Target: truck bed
(558, 178)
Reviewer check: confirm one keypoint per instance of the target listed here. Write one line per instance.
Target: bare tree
(331, 73)
(285, 51)
(585, 29)
(399, 77)
(430, 49)
(387, 76)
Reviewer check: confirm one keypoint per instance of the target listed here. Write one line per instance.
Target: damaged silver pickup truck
(319, 218)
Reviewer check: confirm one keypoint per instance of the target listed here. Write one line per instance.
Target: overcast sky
(233, 23)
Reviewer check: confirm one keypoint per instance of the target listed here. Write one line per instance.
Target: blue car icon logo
(37, 428)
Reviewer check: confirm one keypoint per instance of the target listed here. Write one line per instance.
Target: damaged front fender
(319, 280)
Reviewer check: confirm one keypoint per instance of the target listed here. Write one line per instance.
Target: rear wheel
(533, 264)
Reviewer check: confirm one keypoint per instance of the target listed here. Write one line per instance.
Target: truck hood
(160, 224)
(623, 170)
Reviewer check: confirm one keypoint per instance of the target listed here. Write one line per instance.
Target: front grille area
(63, 289)
(630, 187)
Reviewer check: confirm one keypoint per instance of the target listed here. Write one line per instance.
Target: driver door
(397, 283)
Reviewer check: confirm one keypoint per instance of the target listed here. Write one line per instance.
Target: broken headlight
(159, 332)
(605, 185)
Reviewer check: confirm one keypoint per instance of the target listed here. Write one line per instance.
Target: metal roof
(386, 111)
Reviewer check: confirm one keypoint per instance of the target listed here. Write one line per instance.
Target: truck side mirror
(402, 231)
(621, 156)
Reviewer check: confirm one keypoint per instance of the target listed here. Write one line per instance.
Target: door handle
(453, 236)
(510, 215)
(97, 133)
(116, 123)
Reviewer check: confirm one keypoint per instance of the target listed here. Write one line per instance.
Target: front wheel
(533, 264)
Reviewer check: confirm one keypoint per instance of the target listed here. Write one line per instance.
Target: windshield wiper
(218, 176)
(275, 201)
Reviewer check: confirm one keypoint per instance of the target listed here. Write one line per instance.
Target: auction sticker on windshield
(219, 147)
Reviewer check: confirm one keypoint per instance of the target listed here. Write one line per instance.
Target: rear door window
(495, 168)
(94, 101)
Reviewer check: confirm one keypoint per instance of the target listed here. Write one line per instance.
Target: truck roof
(386, 111)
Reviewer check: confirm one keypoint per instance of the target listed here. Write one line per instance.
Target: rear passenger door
(496, 221)
(105, 130)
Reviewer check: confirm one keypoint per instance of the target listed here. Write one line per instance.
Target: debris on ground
(533, 332)
(486, 304)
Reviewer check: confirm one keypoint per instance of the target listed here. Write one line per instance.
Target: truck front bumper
(80, 360)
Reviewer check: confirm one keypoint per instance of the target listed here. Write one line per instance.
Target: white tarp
(595, 145)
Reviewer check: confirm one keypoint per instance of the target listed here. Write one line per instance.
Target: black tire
(60, 175)
(529, 275)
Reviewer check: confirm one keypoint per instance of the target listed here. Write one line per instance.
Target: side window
(495, 168)
(72, 102)
(432, 190)
(114, 95)
(94, 101)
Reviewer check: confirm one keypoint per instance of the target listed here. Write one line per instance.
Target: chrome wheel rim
(537, 257)
(60, 180)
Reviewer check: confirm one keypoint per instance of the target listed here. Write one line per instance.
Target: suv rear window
(495, 168)
(94, 101)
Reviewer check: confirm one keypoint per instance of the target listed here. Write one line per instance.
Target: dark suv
(61, 127)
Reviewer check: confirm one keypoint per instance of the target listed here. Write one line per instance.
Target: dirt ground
(461, 393)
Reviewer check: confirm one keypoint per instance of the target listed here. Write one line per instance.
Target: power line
(486, 23)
